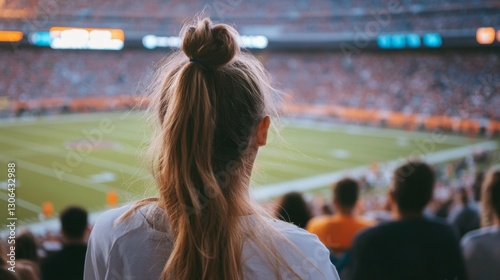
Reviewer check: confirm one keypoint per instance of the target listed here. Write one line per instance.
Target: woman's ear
(262, 129)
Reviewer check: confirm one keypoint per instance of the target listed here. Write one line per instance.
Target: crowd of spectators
(455, 196)
(451, 83)
(413, 239)
(37, 258)
(321, 16)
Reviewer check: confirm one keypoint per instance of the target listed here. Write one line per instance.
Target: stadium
(363, 87)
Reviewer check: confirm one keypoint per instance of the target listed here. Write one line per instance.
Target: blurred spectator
(476, 187)
(464, 216)
(51, 243)
(412, 247)
(338, 231)
(443, 209)
(27, 259)
(293, 208)
(379, 214)
(26, 247)
(3, 254)
(326, 210)
(5, 274)
(68, 264)
(481, 248)
(487, 203)
(27, 270)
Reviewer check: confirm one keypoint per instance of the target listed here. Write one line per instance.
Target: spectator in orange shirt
(337, 231)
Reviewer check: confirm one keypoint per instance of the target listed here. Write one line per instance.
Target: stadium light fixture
(485, 35)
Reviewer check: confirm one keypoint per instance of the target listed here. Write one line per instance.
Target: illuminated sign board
(254, 42)
(11, 36)
(153, 41)
(86, 38)
(433, 40)
(40, 39)
(411, 40)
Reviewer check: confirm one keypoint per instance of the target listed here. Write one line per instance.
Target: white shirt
(481, 249)
(136, 249)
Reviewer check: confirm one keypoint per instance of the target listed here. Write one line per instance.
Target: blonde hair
(488, 210)
(209, 98)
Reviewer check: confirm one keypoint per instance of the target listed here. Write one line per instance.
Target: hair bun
(213, 44)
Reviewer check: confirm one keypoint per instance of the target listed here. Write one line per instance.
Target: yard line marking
(66, 136)
(364, 130)
(88, 159)
(22, 153)
(74, 179)
(294, 155)
(73, 118)
(285, 168)
(309, 183)
(23, 203)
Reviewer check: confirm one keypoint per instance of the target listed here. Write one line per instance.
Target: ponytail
(201, 221)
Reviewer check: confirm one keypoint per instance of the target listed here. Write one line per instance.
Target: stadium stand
(454, 90)
(294, 16)
(450, 89)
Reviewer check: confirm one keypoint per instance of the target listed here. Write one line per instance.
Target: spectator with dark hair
(5, 273)
(68, 264)
(464, 217)
(413, 246)
(476, 186)
(481, 248)
(26, 248)
(337, 231)
(293, 208)
(27, 270)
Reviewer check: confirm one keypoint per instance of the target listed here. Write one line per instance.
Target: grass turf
(77, 159)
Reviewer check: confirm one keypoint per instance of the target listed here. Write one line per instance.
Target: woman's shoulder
(107, 220)
(486, 235)
(294, 233)
(111, 225)
(303, 251)
(308, 243)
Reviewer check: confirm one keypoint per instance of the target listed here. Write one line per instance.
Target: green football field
(77, 159)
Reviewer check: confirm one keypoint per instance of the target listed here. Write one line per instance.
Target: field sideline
(76, 159)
